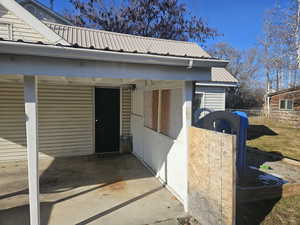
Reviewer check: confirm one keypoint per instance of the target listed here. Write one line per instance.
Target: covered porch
(41, 91)
(54, 88)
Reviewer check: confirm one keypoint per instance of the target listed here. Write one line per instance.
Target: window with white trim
(286, 104)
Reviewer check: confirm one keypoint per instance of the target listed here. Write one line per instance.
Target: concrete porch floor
(117, 190)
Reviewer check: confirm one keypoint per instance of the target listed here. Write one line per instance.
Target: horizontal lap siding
(12, 122)
(20, 30)
(126, 112)
(214, 98)
(65, 121)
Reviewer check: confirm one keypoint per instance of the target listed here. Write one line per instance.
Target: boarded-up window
(151, 109)
(171, 112)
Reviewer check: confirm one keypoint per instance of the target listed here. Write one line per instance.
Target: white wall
(165, 156)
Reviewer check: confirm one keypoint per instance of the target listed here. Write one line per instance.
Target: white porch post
(187, 97)
(30, 98)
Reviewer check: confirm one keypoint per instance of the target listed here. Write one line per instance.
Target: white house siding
(164, 155)
(126, 111)
(65, 121)
(20, 30)
(12, 122)
(214, 97)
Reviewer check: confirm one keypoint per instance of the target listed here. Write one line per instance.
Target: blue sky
(240, 21)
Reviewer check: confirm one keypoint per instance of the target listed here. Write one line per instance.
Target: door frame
(94, 116)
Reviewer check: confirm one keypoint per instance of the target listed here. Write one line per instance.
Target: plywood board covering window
(171, 112)
(151, 109)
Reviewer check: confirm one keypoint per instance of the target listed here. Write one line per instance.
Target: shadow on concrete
(256, 131)
(20, 215)
(67, 174)
(99, 215)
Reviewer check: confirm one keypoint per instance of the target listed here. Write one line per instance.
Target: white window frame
(286, 104)
(202, 99)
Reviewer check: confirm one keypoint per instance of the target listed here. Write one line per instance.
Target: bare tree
(168, 19)
(280, 46)
(246, 67)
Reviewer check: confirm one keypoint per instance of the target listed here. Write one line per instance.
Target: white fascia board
(54, 66)
(31, 20)
(217, 84)
(18, 48)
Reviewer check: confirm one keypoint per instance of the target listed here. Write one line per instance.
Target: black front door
(107, 120)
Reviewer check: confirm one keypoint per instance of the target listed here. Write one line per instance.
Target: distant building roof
(222, 75)
(284, 91)
(27, 4)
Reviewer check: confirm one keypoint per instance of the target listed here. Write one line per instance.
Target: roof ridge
(122, 34)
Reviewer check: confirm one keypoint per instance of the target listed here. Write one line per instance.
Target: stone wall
(211, 177)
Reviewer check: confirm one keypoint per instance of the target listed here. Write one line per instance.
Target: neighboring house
(67, 91)
(284, 105)
(210, 96)
(42, 12)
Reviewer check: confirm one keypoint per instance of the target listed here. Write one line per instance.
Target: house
(70, 91)
(284, 105)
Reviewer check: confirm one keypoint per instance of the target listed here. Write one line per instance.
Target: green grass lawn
(272, 136)
(285, 211)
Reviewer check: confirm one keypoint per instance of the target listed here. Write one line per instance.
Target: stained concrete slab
(88, 190)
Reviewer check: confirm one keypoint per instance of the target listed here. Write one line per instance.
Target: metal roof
(105, 40)
(222, 75)
(296, 88)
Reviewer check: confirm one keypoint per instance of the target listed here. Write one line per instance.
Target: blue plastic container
(241, 143)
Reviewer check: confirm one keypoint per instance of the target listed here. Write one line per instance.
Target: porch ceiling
(101, 82)
(70, 80)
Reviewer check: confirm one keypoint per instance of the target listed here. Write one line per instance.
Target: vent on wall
(6, 31)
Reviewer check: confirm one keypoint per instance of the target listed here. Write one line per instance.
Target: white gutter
(217, 84)
(20, 48)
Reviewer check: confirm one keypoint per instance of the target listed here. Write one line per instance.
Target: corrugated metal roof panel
(88, 38)
(222, 75)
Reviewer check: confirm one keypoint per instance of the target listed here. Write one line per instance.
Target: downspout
(190, 66)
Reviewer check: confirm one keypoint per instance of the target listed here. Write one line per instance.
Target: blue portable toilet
(241, 143)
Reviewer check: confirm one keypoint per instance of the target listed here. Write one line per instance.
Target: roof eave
(20, 48)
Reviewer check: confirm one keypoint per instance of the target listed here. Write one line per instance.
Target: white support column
(187, 96)
(31, 104)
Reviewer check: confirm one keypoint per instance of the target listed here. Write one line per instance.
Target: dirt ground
(88, 190)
